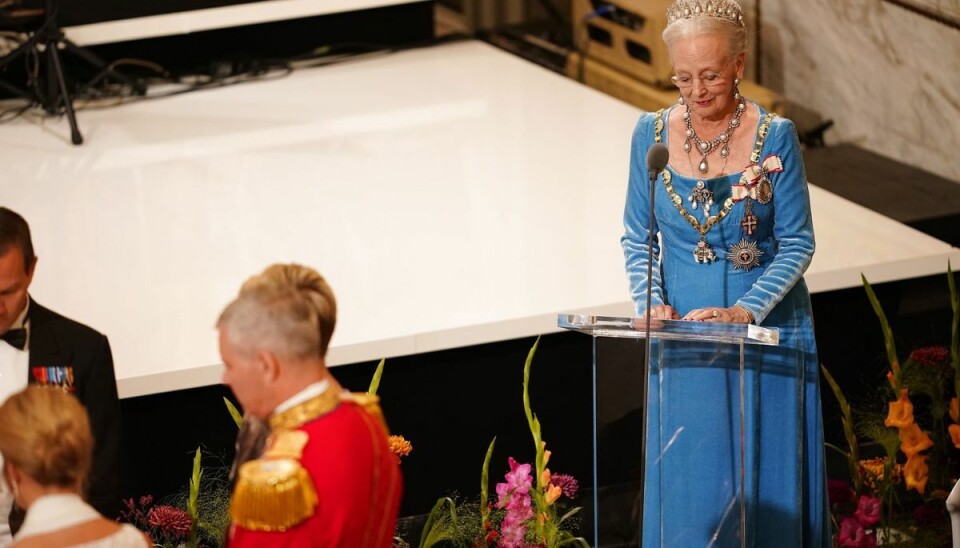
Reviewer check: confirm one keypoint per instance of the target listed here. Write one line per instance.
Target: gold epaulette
(369, 403)
(275, 493)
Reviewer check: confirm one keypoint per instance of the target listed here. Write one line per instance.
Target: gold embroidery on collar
(305, 412)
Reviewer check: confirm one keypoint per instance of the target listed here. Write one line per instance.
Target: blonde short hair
(45, 432)
(287, 309)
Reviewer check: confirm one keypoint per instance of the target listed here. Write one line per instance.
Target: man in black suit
(39, 346)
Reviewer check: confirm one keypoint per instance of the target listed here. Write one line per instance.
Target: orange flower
(545, 476)
(874, 471)
(914, 440)
(553, 493)
(955, 409)
(954, 430)
(916, 473)
(901, 411)
(546, 455)
(399, 446)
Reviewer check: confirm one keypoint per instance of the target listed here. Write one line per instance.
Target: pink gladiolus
(514, 496)
(852, 535)
(868, 510)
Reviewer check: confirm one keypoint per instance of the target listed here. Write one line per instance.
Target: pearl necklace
(721, 141)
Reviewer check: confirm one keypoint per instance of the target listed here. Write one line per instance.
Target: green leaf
(375, 381)
(485, 484)
(578, 540)
(237, 417)
(437, 528)
(954, 329)
(853, 457)
(846, 454)
(570, 514)
(887, 335)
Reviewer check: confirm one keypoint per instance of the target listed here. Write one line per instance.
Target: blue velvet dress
(694, 438)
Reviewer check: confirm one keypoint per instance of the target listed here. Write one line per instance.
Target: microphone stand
(646, 352)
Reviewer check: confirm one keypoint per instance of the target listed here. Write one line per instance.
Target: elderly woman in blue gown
(733, 245)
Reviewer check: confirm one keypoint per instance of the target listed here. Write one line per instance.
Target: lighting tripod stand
(52, 95)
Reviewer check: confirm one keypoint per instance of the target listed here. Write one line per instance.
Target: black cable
(264, 69)
(11, 114)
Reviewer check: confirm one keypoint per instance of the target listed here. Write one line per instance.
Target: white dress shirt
(14, 364)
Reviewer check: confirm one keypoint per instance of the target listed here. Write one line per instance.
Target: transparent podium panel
(681, 480)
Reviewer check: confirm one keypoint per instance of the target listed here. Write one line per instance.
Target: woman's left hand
(734, 314)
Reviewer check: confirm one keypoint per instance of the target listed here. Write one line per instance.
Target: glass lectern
(701, 424)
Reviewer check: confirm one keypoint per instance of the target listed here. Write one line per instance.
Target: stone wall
(888, 77)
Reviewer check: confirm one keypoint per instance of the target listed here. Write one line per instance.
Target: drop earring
(680, 99)
(736, 89)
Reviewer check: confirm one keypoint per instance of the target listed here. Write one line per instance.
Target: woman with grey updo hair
(728, 244)
(735, 34)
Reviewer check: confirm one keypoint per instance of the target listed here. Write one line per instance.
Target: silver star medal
(744, 255)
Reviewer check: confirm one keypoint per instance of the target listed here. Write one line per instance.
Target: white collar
(311, 391)
(54, 512)
(22, 318)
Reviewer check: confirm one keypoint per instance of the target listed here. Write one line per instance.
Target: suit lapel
(44, 349)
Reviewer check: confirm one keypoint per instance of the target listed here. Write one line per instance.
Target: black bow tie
(16, 338)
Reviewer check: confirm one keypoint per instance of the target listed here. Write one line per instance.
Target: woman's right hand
(662, 312)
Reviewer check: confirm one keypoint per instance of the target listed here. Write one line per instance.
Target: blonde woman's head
(45, 433)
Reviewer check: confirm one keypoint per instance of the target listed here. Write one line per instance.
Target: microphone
(657, 158)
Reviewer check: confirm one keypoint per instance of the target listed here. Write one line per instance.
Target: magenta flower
(839, 492)
(930, 355)
(171, 522)
(567, 483)
(514, 496)
(868, 510)
(852, 535)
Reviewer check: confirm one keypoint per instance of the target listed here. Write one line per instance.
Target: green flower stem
(887, 336)
(954, 329)
(853, 456)
(485, 487)
(193, 540)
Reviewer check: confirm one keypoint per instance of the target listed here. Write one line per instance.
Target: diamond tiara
(692, 9)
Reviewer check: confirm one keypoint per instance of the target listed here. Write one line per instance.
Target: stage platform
(453, 196)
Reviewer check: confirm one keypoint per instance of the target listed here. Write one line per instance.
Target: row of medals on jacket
(743, 254)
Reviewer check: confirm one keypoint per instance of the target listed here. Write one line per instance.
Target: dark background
(450, 404)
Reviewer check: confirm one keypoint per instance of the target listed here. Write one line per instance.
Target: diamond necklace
(721, 141)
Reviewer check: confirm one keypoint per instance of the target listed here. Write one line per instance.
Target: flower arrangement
(899, 496)
(193, 519)
(529, 510)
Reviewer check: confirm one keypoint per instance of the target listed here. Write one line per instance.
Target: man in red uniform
(327, 477)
